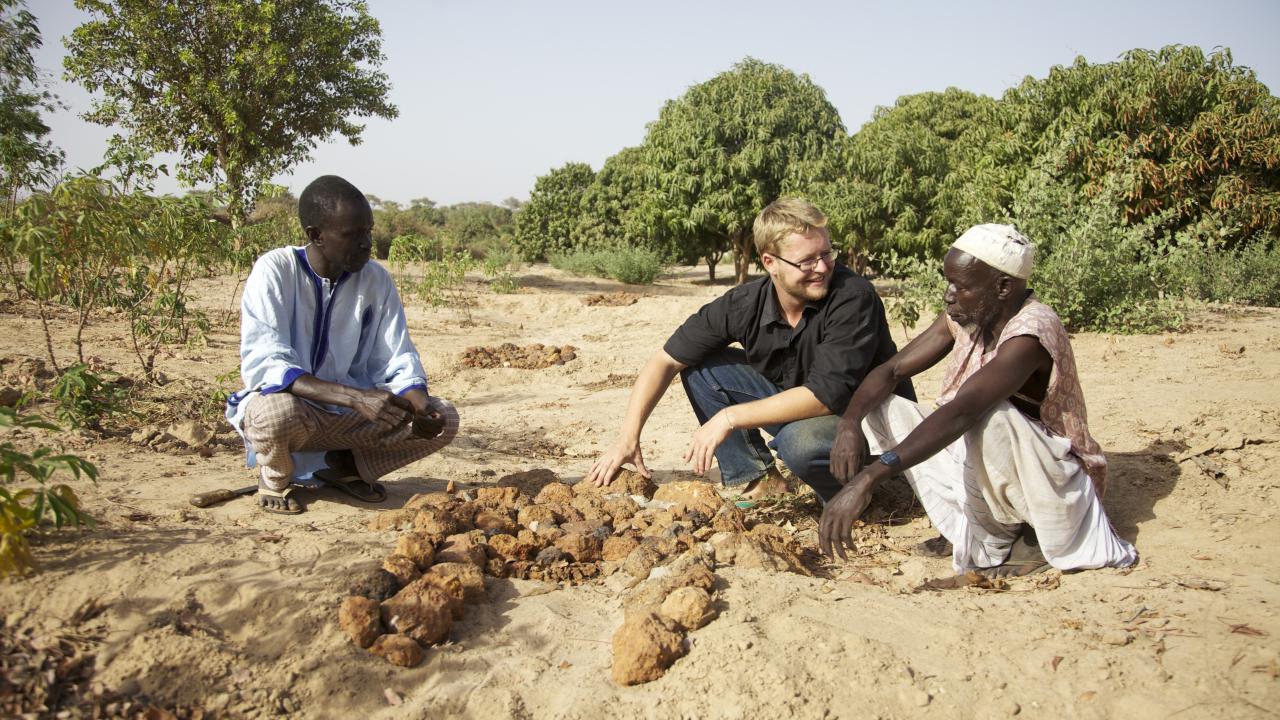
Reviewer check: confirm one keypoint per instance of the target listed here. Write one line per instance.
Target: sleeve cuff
(415, 386)
(830, 399)
(290, 375)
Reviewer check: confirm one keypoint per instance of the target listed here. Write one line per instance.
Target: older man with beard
(1005, 467)
(810, 330)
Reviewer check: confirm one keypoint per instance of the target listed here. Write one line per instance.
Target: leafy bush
(85, 398)
(1095, 271)
(23, 509)
(921, 286)
(1249, 274)
(497, 267)
(634, 266)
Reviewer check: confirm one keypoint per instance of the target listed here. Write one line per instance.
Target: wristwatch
(890, 458)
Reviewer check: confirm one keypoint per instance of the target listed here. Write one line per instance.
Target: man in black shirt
(809, 331)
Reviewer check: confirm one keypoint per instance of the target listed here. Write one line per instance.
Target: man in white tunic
(334, 389)
(1005, 467)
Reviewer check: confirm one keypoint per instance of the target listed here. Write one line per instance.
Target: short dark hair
(322, 197)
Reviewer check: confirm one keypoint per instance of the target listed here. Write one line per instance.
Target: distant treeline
(1150, 178)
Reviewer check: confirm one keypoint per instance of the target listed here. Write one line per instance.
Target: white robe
(1006, 470)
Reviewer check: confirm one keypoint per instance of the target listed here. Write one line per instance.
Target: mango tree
(546, 223)
(721, 152)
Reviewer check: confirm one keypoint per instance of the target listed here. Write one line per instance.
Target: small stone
(404, 568)
(418, 547)
(398, 650)
(1118, 638)
(420, 611)
(689, 607)
(359, 619)
(391, 519)
(643, 648)
(469, 575)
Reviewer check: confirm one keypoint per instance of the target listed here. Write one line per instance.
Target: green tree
(545, 225)
(621, 208)
(27, 159)
(721, 152)
(241, 90)
(1191, 139)
(897, 164)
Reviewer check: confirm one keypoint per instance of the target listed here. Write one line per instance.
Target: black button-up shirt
(838, 341)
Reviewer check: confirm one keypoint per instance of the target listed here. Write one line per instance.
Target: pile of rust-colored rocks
(613, 299)
(531, 526)
(528, 357)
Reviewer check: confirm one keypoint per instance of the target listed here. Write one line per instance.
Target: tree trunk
(742, 245)
(713, 259)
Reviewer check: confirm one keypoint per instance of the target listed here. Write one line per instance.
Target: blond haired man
(810, 330)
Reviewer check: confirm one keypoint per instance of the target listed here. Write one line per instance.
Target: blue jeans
(726, 379)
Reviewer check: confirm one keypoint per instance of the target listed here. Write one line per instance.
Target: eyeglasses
(807, 266)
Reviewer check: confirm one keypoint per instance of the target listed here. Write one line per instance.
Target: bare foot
(277, 501)
(939, 547)
(1024, 558)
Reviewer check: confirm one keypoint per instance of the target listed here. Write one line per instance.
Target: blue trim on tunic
(289, 376)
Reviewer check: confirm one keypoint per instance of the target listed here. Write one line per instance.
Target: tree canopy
(546, 224)
(240, 90)
(721, 152)
(27, 157)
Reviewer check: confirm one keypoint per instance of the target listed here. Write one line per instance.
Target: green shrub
(582, 262)
(1095, 271)
(921, 286)
(634, 266)
(497, 268)
(23, 509)
(1249, 275)
(85, 398)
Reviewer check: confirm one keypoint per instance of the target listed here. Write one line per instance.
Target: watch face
(890, 458)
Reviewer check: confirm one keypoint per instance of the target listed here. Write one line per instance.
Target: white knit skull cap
(1000, 246)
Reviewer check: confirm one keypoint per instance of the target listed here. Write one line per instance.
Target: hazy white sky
(494, 94)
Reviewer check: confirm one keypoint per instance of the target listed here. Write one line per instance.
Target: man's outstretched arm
(798, 403)
(922, 353)
(650, 385)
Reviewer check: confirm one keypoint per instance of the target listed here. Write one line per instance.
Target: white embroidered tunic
(293, 322)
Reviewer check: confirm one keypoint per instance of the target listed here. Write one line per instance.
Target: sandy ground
(234, 611)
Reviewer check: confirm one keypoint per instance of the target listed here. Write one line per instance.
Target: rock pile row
(532, 526)
(528, 357)
(613, 299)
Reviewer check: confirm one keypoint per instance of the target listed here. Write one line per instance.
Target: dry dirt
(234, 612)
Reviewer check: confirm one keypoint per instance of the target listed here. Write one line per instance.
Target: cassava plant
(22, 509)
